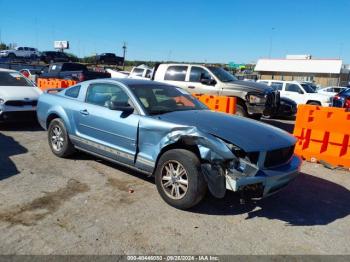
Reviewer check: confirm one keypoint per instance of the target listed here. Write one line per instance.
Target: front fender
(155, 135)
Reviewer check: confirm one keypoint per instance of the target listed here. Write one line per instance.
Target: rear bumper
(266, 182)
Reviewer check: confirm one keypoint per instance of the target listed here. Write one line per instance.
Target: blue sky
(180, 30)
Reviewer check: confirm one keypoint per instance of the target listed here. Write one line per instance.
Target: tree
(3, 46)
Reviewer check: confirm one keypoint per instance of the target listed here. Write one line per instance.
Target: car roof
(8, 70)
(131, 82)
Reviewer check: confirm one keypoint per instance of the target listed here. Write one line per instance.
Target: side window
(73, 91)
(277, 85)
(20, 48)
(336, 89)
(148, 73)
(137, 72)
(293, 88)
(176, 73)
(102, 94)
(198, 73)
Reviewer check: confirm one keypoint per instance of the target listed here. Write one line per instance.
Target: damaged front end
(224, 166)
(225, 174)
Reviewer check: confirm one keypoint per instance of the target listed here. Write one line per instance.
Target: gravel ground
(84, 206)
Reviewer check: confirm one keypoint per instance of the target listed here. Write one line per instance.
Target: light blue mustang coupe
(162, 130)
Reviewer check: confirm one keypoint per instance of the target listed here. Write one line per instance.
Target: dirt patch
(119, 184)
(28, 214)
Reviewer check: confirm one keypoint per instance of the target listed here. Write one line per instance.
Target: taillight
(81, 77)
(347, 103)
(25, 73)
(336, 97)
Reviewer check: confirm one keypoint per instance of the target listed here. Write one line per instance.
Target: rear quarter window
(176, 73)
(72, 92)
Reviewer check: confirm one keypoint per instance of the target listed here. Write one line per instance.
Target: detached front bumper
(267, 181)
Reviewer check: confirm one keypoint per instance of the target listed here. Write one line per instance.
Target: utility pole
(124, 54)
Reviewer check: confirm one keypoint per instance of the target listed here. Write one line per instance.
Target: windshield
(222, 74)
(160, 99)
(308, 88)
(13, 79)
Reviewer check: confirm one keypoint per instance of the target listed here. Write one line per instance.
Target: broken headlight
(245, 164)
(254, 99)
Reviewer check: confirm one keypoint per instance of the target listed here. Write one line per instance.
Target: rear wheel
(178, 179)
(58, 138)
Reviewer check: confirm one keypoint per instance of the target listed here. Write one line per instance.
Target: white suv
(27, 52)
(18, 96)
(298, 93)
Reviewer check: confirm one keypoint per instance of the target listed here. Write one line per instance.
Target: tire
(241, 111)
(58, 139)
(11, 56)
(314, 103)
(188, 195)
(256, 116)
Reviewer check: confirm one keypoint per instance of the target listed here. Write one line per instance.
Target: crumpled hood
(250, 135)
(19, 92)
(253, 86)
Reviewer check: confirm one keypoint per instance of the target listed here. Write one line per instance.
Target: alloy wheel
(174, 179)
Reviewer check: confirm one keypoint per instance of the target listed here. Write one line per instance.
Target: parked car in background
(73, 71)
(31, 74)
(21, 52)
(342, 99)
(331, 90)
(18, 97)
(117, 74)
(141, 72)
(253, 99)
(164, 131)
(54, 56)
(298, 93)
(109, 59)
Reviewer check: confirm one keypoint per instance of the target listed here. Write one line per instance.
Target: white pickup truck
(27, 52)
(253, 99)
(300, 94)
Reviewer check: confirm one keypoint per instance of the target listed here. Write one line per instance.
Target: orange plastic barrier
(47, 83)
(323, 134)
(218, 103)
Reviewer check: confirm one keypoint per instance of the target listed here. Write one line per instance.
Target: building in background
(324, 72)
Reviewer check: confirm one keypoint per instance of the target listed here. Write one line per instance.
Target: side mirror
(209, 82)
(120, 106)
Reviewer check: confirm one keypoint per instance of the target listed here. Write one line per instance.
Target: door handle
(84, 112)
(192, 87)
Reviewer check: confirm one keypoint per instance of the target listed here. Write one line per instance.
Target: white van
(298, 93)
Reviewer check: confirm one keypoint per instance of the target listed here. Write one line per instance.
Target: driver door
(196, 77)
(107, 132)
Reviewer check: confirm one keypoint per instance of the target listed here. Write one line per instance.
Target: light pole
(271, 35)
(124, 54)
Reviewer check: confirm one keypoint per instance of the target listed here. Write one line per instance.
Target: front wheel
(241, 111)
(178, 179)
(59, 141)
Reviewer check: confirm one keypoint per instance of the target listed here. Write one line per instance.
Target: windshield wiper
(159, 112)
